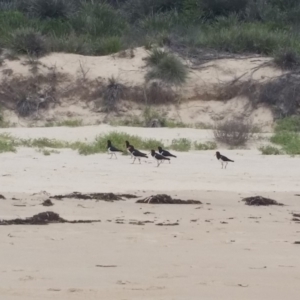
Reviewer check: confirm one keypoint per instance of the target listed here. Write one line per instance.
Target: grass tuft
(166, 67)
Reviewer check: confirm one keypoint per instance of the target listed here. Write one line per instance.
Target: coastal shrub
(282, 94)
(290, 141)
(168, 68)
(181, 144)
(205, 146)
(112, 94)
(154, 93)
(233, 132)
(108, 45)
(28, 41)
(270, 150)
(51, 9)
(287, 59)
(291, 124)
(118, 138)
(98, 19)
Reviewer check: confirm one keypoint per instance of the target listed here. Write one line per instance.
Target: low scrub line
(10, 144)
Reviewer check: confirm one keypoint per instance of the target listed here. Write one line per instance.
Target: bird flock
(160, 157)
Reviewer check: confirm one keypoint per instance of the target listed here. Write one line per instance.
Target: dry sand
(131, 72)
(221, 249)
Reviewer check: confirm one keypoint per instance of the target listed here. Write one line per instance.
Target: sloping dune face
(203, 98)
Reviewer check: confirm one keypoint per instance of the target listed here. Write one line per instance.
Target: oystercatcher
(159, 158)
(127, 147)
(136, 154)
(165, 153)
(223, 159)
(112, 150)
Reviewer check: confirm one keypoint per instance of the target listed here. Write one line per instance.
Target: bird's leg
(169, 161)
(140, 160)
(133, 160)
(115, 155)
(111, 155)
(222, 164)
(226, 164)
(158, 163)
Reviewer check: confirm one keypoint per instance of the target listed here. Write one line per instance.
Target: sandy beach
(221, 249)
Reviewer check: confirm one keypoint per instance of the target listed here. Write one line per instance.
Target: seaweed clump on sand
(166, 199)
(95, 196)
(296, 218)
(47, 202)
(260, 201)
(43, 218)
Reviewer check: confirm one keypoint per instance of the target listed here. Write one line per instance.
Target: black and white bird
(112, 150)
(165, 153)
(159, 158)
(137, 154)
(127, 148)
(223, 159)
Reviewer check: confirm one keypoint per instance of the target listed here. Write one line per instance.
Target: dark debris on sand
(2, 197)
(296, 218)
(166, 199)
(43, 218)
(95, 196)
(47, 202)
(260, 201)
(167, 224)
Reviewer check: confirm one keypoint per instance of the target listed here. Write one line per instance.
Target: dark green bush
(52, 9)
(28, 41)
(287, 59)
(99, 19)
(166, 67)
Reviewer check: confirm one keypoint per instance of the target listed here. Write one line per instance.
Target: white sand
(251, 256)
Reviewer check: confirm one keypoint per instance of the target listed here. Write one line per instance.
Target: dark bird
(137, 154)
(112, 150)
(165, 153)
(127, 148)
(159, 158)
(223, 159)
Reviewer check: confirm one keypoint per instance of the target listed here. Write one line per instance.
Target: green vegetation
(290, 141)
(7, 144)
(118, 138)
(66, 123)
(49, 146)
(205, 146)
(166, 67)
(287, 135)
(44, 142)
(270, 150)
(107, 26)
(47, 152)
(182, 144)
(288, 124)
